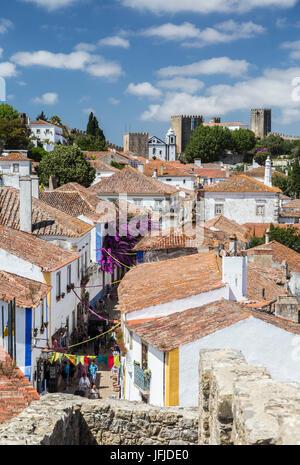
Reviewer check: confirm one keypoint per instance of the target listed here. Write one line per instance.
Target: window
(42, 313)
(85, 261)
(16, 167)
(69, 277)
(138, 201)
(38, 131)
(260, 210)
(58, 284)
(219, 209)
(78, 268)
(153, 151)
(144, 356)
(130, 340)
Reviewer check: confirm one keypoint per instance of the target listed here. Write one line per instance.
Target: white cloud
(191, 36)
(1, 52)
(204, 6)
(115, 41)
(114, 101)
(221, 65)
(84, 47)
(78, 60)
(144, 89)
(51, 5)
(49, 98)
(7, 69)
(5, 25)
(273, 88)
(294, 47)
(188, 85)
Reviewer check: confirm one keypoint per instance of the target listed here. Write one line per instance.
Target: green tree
(42, 116)
(36, 153)
(8, 113)
(90, 143)
(208, 143)
(14, 134)
(294, 180)
(67, 164)
(243, 140)
(289, 237)
(93, 128)
(55, 120)
(274, 144)
(281, 182)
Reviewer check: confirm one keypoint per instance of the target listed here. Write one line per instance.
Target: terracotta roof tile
(259, 229)
(166, 169)
(229, 227)
(265, 283)
(259, 172)
(46, 220)
(14, 156)
(99, 165)
(16, 392)
(131, 181)
(34, 250)
(280, 253)
(155, 283)
(167, 333)
(27, 292)
(241, 183)
(292, 204)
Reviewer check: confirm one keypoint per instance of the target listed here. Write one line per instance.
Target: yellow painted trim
(172, 378)
(47, 280)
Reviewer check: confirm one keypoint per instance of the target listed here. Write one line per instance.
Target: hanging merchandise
(109, 360)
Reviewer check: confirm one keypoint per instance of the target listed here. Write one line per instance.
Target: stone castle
(239, 404)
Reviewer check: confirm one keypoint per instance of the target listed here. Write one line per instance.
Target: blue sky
(136, 62)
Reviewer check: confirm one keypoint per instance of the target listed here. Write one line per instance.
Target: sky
(134, 63)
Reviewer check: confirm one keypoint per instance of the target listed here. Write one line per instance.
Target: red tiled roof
(210, 173)
(167, 333)
(28, 293)
(241, 183)
(166, 169)
(265, 283)
(14, 156)
(16, 392)
(41, 122)
(46, 220)
(259, 229)
(30, 248)
(259, 172)
(99, 165)
(229, 227)
(292, 204)
(280, 253)
(131, 181)
(155, 283)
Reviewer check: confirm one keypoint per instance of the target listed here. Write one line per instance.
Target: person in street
(94, 393)
(93, 369)
(65, 374)
(96, 346)
(84, 386)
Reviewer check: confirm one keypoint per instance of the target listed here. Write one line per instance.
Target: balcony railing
(140, 380)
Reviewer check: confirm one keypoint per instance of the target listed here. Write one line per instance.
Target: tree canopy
(7, 112)
(208, 143)
(67, 164)
(90, 143)
(243, 140)
(42, 116)
(14, 134)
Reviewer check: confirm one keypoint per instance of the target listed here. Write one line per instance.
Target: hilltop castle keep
(183, 125)
(261, 122)
(136, 142)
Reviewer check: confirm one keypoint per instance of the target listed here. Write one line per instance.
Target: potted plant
(46, 324)
(42, 330)
(63, 295)
(147, 373)
(58, 298)
(35, 332)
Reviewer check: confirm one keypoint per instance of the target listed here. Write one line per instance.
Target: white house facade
(47, 133)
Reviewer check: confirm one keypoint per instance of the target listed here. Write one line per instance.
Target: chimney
(234, 273)
(25, 204)
(197, 162)
(161, 169)
(52, 183)
(35, 186)
(140, 167)
(267, 236)
(154, 173)
(268, 173)
(233, 245)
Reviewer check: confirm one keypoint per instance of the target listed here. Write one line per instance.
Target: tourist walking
(93, 369)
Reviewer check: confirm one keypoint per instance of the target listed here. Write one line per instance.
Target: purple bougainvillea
(117, 249)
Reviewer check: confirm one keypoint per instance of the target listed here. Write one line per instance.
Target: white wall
(261, 344)
(186, 182)
(241, 207)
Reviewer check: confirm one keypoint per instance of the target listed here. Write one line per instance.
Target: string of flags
(109, 360)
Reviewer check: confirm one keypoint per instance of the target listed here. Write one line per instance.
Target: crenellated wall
(239, 404)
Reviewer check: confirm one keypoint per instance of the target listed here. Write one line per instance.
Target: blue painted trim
(28, 327)
(98, 246)
(97, 297)
(140, 257)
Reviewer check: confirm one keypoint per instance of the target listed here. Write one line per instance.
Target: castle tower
(171, 154)
(183, 126)
(136, 142)
(260, 122)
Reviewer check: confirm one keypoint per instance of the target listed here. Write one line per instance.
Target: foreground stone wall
(240, 404)
(65, 419)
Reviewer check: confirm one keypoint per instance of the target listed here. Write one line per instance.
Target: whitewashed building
(13, 165)
(243, 199)
(165, 151)
(49, 134)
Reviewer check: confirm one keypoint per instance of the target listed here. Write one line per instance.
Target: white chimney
(35, 186)
(154, 173)
(140, 167)
(267, 236)
(233, 245)
(268, 173)
(234, 273)
(197, 162)
(25, 204)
